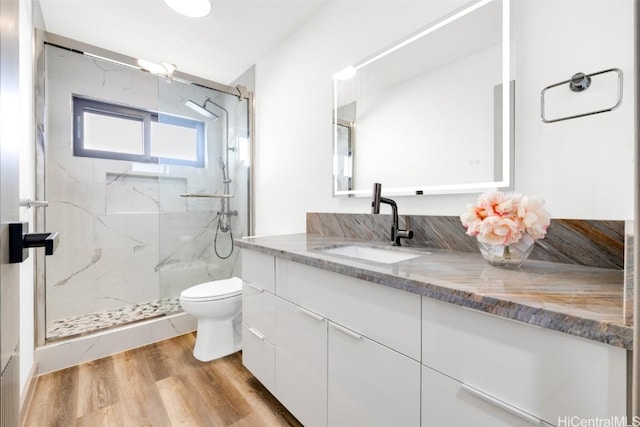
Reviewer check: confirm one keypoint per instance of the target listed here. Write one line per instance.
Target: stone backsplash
(592, 243)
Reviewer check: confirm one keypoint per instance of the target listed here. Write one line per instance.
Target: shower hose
(215, 240)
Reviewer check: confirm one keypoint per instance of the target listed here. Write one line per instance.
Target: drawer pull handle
(256, 333)
(500, 404)
(346, 331)
(311, 314)
(254, 287)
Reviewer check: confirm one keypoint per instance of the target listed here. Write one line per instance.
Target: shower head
(201, 109)
(221, 163)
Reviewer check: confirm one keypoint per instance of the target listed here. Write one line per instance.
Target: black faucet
(396, 232)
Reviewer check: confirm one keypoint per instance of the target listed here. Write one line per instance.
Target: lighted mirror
(427, 115)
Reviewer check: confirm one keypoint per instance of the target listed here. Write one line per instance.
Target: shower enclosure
(147, 179)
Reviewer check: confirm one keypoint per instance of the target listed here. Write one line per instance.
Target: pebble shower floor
(86, 323)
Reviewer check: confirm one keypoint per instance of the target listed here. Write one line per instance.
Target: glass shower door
(121, 154)
(102, 192)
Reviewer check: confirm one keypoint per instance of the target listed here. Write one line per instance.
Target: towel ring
(580, 82)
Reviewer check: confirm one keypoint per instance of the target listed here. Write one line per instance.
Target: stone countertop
(582, 301)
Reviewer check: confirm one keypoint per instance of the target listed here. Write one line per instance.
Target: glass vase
(507, 256)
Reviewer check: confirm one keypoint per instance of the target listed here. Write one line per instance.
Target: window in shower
(110, 131)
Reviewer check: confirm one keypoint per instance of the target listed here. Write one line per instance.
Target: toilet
(218, 307)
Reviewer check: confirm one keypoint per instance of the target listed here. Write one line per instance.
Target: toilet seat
(212, 291)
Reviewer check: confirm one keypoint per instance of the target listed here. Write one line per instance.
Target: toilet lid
(217, 289)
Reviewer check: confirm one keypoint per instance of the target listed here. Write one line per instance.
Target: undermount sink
(384, 256)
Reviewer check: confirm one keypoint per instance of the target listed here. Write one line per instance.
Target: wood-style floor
(157, 385)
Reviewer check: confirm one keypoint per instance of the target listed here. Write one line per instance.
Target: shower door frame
(43, 38)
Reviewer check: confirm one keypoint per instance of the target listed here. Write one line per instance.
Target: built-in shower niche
(139, 193)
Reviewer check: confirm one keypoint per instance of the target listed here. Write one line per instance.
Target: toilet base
(216, 339)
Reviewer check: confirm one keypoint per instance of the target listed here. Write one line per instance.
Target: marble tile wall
(126, 236)
(583, 242)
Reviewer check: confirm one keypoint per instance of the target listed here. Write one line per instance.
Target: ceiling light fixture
(190, 8)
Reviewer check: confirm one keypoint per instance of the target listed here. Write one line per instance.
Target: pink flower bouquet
(499, 220)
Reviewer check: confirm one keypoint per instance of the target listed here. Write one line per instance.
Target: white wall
(583, 167)
(294, 101)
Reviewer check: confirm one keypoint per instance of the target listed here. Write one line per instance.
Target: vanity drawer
(258, 309)
(259, 356)
(545, 373)
(447, 402)
(386, 315)
(301, 363)
(259, 269)
(370, 385)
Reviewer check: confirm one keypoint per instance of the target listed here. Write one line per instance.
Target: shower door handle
(20, 240)
(38, 240)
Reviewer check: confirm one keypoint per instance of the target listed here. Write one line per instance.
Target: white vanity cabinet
(548, 375)
(258, 316)
(340, 351)
(370, 384)
(301, 362)
(362, 373)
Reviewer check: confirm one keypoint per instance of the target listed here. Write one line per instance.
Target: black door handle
(20, 240)
(37, 240)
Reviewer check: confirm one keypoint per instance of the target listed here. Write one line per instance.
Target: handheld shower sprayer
(223, 221)
(225, 177)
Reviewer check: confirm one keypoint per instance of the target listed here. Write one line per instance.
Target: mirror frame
(506, 120)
